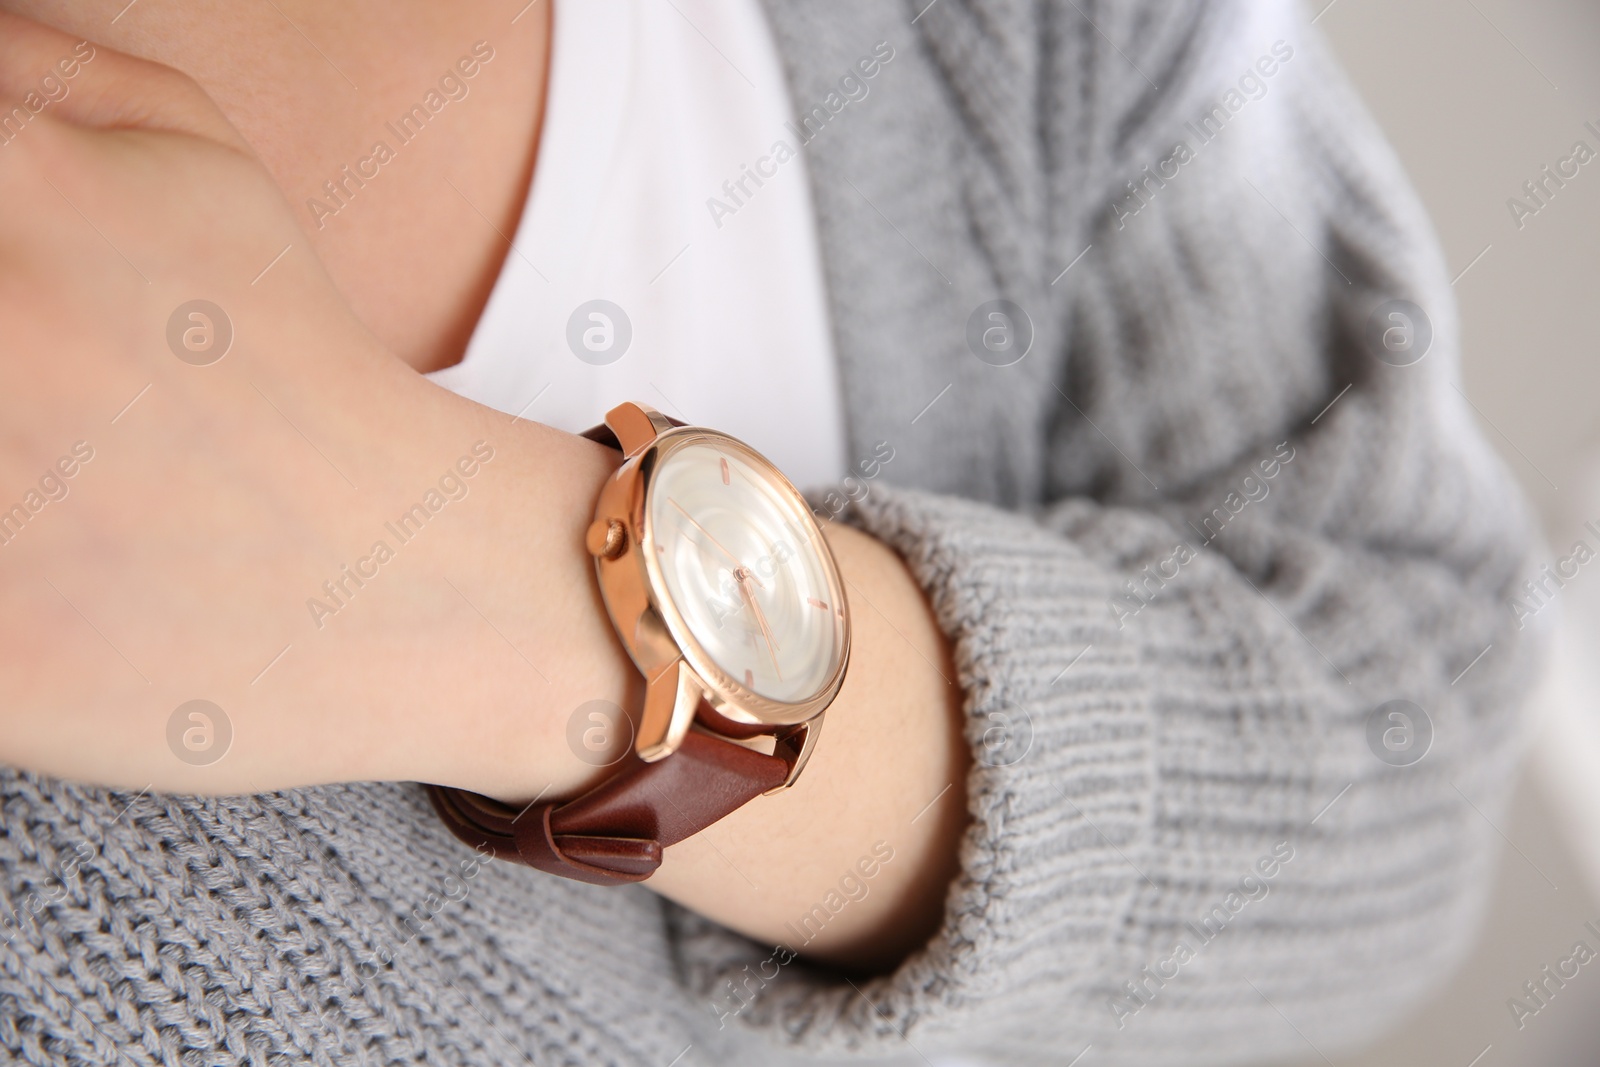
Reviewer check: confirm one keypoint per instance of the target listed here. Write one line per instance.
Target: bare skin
(179, 562)
(419, 248)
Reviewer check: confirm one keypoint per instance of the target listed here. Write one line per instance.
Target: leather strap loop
(605, 435)
(616, 832)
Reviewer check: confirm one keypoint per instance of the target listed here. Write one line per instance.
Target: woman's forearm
(852, 864)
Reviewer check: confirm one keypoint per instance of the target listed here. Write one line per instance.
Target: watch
(727, 599)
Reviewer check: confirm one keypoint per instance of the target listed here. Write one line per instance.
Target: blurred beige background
(1477, 96)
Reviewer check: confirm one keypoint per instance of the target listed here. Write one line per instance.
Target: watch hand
(761, 619)
(738, 566)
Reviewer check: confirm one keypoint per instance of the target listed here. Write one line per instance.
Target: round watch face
(745, 571)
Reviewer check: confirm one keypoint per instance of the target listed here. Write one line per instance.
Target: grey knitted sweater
(1183, 547)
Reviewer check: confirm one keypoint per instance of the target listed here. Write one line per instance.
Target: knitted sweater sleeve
(1201, 830)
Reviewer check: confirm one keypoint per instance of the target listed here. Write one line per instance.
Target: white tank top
(668, 251)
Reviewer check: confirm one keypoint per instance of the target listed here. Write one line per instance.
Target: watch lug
(670, 701)
(794, 747)
(636, 425)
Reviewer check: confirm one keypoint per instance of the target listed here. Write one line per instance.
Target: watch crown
(606, 538)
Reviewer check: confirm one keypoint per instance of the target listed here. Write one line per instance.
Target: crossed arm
(219, 502)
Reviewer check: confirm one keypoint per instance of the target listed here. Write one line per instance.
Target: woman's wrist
(495, 634)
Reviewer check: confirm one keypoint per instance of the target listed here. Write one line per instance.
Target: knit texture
(1169, 656)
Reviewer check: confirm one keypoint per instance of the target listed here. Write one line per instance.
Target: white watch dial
(744, 572)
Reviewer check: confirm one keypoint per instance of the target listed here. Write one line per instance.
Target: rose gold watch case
(678, 671)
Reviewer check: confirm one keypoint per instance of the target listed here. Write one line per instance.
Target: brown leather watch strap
(615, 833)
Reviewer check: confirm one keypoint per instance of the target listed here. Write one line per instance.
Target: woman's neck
(411, 231)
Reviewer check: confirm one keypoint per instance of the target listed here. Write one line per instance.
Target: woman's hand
(185, 516)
